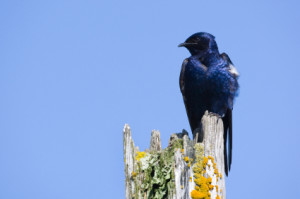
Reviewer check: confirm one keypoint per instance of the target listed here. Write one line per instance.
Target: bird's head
(200, 43)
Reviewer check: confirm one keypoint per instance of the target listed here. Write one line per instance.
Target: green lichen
(177, 144)
(155, 177)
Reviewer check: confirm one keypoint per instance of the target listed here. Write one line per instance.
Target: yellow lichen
(217, 172)
(133, 174)
(218, 197)
(205, 160)
(182, 150)
(140, 155)
(211, 158)
(202, 183)
(198, 195)
(181, 186)
(186, 159)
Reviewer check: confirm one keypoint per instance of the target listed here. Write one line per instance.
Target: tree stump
(183, 170)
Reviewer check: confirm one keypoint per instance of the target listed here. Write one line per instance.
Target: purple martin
(208, 81)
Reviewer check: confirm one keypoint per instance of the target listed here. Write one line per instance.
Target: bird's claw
(214, 114)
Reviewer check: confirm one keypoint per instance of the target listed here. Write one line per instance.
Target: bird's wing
(227, 120)
(181, 77)
(193, 105)
(182, 89)
(231, 67)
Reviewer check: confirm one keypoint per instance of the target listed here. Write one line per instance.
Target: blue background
(72, 73)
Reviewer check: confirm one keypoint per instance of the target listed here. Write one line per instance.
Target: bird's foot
(214, 114)
(198, 135)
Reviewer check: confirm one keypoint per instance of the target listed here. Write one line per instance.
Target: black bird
(208, 81)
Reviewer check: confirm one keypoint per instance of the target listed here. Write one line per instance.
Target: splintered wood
(183, 170)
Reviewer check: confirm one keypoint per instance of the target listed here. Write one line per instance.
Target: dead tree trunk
(183, 170)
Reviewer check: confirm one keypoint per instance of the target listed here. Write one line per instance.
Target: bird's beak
(186, 44)
(181, 45)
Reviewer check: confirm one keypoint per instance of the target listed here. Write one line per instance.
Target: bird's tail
(227, 124)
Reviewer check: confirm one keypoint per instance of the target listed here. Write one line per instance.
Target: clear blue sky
(72, 73)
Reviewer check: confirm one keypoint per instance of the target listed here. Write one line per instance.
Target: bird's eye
(196, 40)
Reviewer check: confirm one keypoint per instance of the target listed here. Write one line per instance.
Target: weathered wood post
(183, 170)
